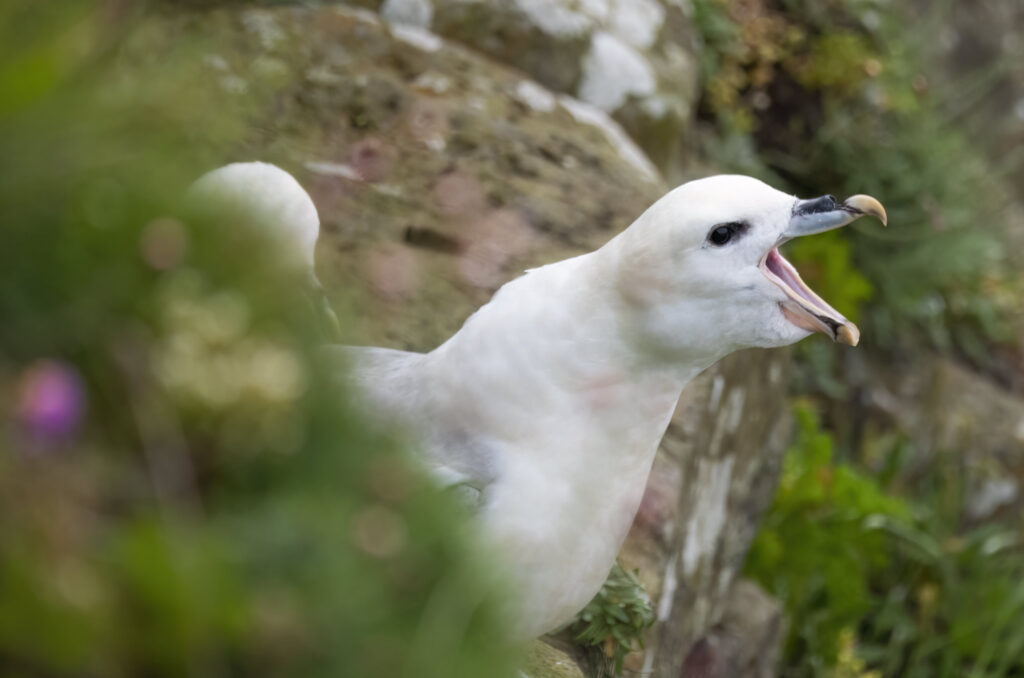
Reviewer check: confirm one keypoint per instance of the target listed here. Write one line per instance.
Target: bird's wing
(393, 387)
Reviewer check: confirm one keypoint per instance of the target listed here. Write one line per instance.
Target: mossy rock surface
(438, 173)
(634, 59)
(544, 661)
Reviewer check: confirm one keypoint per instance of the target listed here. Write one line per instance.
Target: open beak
(804, 308)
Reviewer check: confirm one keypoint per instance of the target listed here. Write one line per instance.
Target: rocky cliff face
(633, 59)
(714, 476)
(952, 417)
(440, 174)
(980, 50)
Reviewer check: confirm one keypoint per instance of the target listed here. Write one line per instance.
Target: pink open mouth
(804, 308)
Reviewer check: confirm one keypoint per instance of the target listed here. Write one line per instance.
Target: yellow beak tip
(848, 334)
(865, 204)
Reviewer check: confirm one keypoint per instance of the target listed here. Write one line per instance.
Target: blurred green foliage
(876, 580)
(184, 489)
(813, 551)
(834, 98)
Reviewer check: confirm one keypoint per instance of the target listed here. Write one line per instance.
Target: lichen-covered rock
(544, 661)
(633, 59)
(957, 417)
(980, 49)
(745, 643)
(714, 476)
(439, 175)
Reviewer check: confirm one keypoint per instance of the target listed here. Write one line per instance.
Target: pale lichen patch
(321, 75)
(357, 13)
(637, 21)
(233, 84)
(612, 72)
(717, 388)
(411, 12)
(534, 96)
(1019, 431)
(562, 19)
(734, 409)
(333, 169)
(709, 512)
(433, 82)
(668, 591)
(419, 38)
(267, 68)
(264, 26)
(616, 136)
(216, 62)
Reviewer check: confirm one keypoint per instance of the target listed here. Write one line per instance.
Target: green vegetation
(878, 580)
(833, 98)
(144, 528)
(814, 550)
(613, 623)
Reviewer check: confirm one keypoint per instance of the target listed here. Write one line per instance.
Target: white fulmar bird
(265, 196)
(551, 400)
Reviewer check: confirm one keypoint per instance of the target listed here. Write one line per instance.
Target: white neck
(574, 412)
(553, 363)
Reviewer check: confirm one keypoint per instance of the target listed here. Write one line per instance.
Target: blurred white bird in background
(268, 197)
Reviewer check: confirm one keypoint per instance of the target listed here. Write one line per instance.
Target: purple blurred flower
(51, 399)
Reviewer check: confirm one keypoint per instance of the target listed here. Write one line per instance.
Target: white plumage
(264, 195)
(551, 400)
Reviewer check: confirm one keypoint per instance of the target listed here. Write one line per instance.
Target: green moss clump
(613, 623)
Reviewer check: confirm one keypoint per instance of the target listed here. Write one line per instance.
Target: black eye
(722, 234)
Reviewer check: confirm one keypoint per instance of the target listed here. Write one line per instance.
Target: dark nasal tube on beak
(818, 215)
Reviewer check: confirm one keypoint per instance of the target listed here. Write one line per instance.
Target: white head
(265, 195)
(269, 198)
(701, 276)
